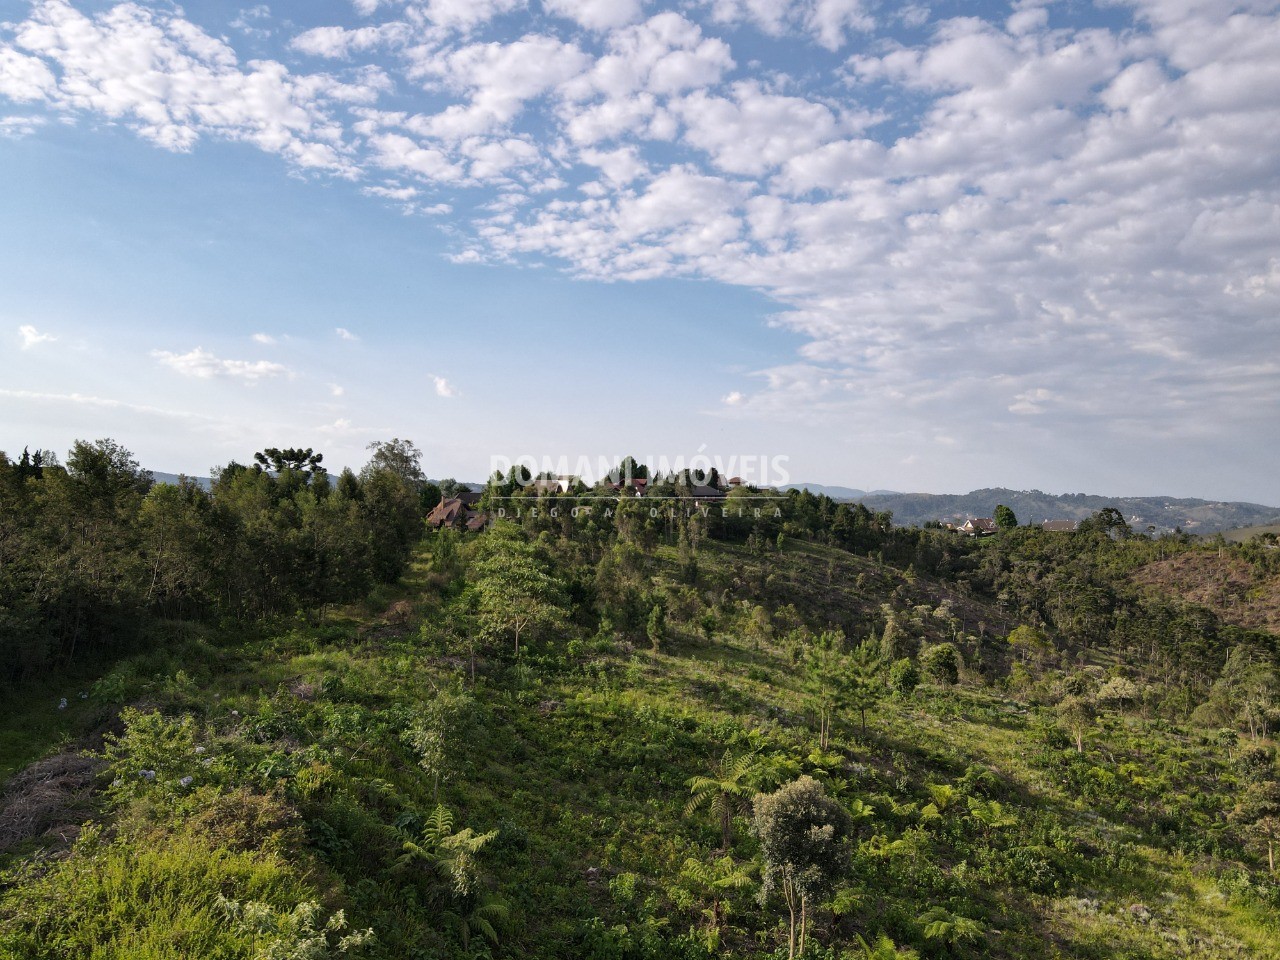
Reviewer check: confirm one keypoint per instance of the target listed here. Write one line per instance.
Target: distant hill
(1034, 506)
(1243, 534)
(916, 509)
(839, 493)
(835, 493)
(1230, 586)
(205, 483)
(172, 478)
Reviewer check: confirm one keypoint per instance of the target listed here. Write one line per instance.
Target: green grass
(580, 763)
(1242, 534)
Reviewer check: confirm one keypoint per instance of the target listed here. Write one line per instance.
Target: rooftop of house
(1061, 526)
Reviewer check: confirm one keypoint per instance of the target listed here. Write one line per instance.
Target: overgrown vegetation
(653, 729)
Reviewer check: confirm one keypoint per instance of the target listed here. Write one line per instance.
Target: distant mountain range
(160, 476)
(1034, 506)
(1031, 506)
(205, 483)
(839, 493)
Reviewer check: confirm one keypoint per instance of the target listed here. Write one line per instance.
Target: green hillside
(1245, 534)
(1162, 514)
(644, 733)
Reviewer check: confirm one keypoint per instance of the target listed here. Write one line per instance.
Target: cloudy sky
(924, 246)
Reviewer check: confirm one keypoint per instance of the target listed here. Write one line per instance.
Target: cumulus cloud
(444, 388)
(345, 334)
(173, 83)
(754, 131)
(339, 43)
(403, 194)
(1031, 401)
(596, 14)
(1022, 218)
(30, 337)
(829, 22)
(24, 78)
(17, 127)
(203, 365)
(497, 79)
(265, 339)
(254, 21)
(467, 14)
(396, 152)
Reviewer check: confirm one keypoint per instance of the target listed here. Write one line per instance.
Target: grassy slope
(1243, 534)
(1229, 586)
(581, 763)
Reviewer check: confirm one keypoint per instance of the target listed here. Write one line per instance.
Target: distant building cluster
(460, 512)
(1061, 526)
(986, 526)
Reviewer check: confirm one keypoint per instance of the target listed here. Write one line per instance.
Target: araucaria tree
(803, 837)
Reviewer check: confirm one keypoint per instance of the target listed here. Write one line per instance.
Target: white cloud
(682, 219)
(498, 79)
(444, 388)
(1061, 203)
(754, 131)
(621, 166)
(596, 14)
(265, 339)
(106, 403)
(393, 151)
(733, 399)
(173, 83)
(1028, 215)
(336, 390)
(620, 94)
(494, 159)
(1258, 285)
(345, 334)
(32, 337)
(1027, 20)
(392, 193)
(24, 78)
(467, 14)
(17, 127)
(339, 43)
(203, 365)
(829, 22)
(252, 21)
(914, 15)
(1031, 401)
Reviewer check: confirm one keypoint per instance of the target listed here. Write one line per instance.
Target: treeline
(1075, 589)
(93, 550)
(676, 506)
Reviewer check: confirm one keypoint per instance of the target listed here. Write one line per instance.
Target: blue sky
(914, 246)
